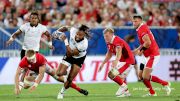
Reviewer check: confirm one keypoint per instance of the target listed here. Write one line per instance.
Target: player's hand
(9, 41)
(140, 53)
(114, 63)
(32, 89)
(100, 68)
(136, 52)
(17, 91)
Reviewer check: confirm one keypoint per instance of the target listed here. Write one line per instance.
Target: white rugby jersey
(81, 46)
(32, 36)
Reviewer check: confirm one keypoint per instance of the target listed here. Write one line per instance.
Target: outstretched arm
(13, 36)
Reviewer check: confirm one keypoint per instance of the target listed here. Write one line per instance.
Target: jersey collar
(34, 25)
(139, 26)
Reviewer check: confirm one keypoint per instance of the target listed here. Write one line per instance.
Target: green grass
(97, 92)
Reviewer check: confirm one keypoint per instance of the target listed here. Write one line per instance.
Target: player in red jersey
(37, 65)
(150, 50)
(121, 66)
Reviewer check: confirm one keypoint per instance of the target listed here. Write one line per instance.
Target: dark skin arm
(49, 39)
(14, 35)
(69, 51)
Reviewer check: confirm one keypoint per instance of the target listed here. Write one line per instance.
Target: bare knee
(146, 73)
(61, 73)
(113, 73)
(110, 75)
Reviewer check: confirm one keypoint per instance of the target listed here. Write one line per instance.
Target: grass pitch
(97, 92)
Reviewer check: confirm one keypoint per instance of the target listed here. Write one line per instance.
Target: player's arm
(23, 74)
(107, 58)
(118, 56)
(41, 74)
(13, 36)
(147, 43)
(40, 77)
(49, 39)
(18, 72)
(64, 28)
(71, 52)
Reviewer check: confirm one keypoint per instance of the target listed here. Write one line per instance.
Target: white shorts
(151, 61)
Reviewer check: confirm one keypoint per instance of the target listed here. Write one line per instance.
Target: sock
(148, 85)
(158, 80)
(118, 80)
(74, 86)
(63, 90)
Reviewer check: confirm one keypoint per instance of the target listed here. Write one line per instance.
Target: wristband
(66, 42)
(143, 48)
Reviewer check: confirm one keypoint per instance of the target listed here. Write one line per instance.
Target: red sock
(74, 86)
(158, 80)
(148, 85)
(118, 80)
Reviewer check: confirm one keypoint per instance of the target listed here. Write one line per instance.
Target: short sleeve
(144, 31)
(44, 29)
(22, 28)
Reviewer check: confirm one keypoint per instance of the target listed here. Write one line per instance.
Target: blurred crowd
(94, 13)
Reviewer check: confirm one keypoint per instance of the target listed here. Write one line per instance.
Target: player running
(75, 54)
(37, 65)
(150, 51)
(121, 66)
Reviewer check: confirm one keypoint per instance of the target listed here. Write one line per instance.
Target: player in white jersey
(75, 53)
(32, 31)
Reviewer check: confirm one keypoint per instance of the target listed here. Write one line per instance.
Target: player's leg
(141, 71)
(123, 72)
(51, 71)
(156, 79)
(146, 76)
(62, 69)
(73, 72)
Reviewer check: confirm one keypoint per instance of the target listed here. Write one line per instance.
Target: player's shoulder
(23, 61)
(40, 55)
(144, 27)
(117, 39)
(41, 26)
(27, 24)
